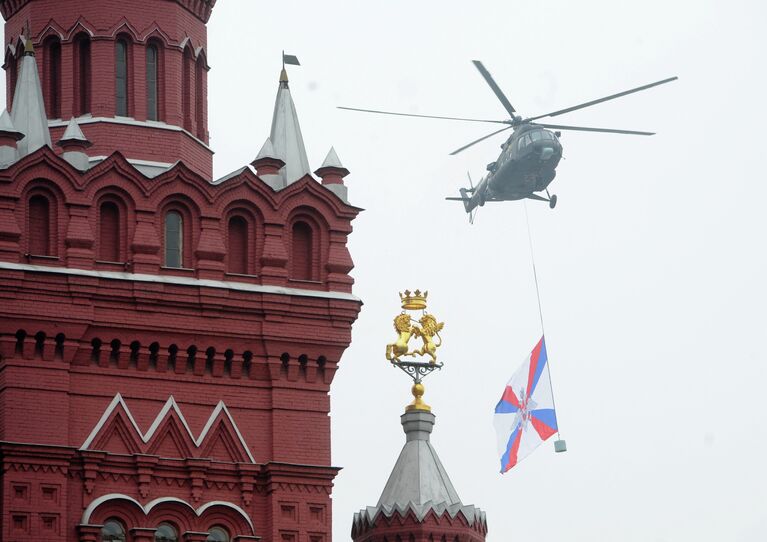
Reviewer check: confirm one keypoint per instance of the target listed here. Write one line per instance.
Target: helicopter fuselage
(527, 164)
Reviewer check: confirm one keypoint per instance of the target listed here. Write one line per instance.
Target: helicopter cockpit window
(536, 135)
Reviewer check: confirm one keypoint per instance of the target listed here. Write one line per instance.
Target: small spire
(268, 165)
(267, 150)
(9, 137)
(332, 173)
(28, 111)
(73, 135)
(7, 129)
(331, 160)
(74, 144)
(284, 76)
(286, 135)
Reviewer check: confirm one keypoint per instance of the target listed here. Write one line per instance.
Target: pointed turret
(74, 144)
(286, 138)
(268, 165)
(28, 111)
(9, 138)
(332, 173)
(420, 494)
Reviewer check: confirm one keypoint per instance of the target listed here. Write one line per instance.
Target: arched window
(82, 76)
(112, 531)
(186, 88)
(121, 77)
(237, 251)
(153, 81)
(302, 261)
(40, 226)
(174, 239)
(165, 533)
(218, 534)
(199, 99)
(109, 232)
(52, 63)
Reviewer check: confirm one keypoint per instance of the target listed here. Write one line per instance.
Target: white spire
(74, 133)
(10, 136)
(331, 160)
(74, 144)
(286, 135)
(267, 150)
(28, 111)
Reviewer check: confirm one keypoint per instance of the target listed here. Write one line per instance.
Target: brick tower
(167, 341)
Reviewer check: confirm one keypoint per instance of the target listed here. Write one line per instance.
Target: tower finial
(287, 59)
(408, 327)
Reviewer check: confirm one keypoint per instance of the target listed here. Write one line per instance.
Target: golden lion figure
(429, 328)
(405, 330)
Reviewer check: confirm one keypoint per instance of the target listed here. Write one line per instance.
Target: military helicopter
(529, 157)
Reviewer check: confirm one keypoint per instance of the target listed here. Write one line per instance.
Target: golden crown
(413, 301)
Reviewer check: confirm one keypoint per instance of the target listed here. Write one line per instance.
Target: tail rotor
(473, 212)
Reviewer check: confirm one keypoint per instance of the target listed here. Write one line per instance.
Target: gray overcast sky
(652, 266)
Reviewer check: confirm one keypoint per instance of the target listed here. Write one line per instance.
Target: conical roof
(73, 133)
(7, 127)
(332, 160)
(418, 476)
(418, 482)
(286, 135)
(267, 150)
(28, 111)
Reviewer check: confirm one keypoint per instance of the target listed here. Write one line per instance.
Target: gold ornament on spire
(406, 329)
(427, 328)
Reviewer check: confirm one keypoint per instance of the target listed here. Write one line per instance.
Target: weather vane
(427, 327)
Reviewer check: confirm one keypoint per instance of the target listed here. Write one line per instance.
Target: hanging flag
(525, 416)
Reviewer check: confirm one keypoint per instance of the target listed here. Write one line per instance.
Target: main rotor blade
(478, 140)
(586, 129)
(421, 116)
(600, 100)
(496, 89)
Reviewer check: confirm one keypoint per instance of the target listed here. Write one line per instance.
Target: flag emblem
(525, 415)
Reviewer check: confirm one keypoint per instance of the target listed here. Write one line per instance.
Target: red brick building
(167, 340)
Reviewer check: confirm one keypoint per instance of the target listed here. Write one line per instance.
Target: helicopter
(529, 157)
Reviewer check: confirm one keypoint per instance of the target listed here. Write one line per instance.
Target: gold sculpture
(406, 329)
(427, 327)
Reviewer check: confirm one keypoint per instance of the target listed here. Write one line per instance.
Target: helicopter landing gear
(552, 199)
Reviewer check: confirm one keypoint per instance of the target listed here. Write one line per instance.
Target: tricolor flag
(525, 416)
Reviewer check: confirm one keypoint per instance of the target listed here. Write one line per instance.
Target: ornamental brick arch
(175, 511)
(44, 164)
(227, 515)
(81, 25)
(243, 227)
(109, 234)
(124, 27)
(124, 508)
(155, 32)
(51, 29)
(306, 237)
(43, 232)
(190, 228)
